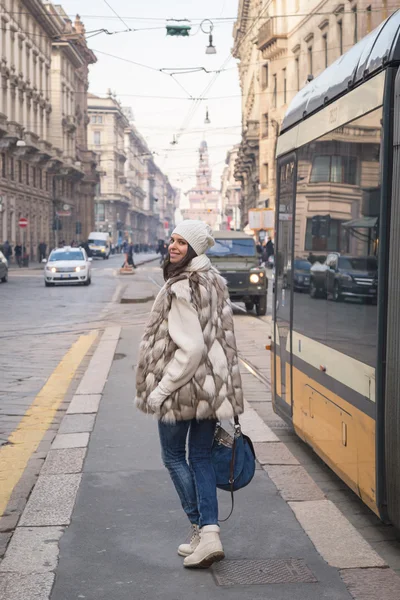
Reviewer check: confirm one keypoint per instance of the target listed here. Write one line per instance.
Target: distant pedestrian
(7, 250)
(162, 250)
(188, 376)
(18, 254)
(129, 257)
(42, 251)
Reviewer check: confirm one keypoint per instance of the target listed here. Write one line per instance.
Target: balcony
(271, 42)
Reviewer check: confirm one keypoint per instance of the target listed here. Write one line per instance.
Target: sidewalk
(106, 527)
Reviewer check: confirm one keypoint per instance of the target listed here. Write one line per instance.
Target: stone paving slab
(77, 424)
(70, 440)
(95, 378)
(294, 483)
(52, 500)
(370, 584)
(67, 460)
(26, 587)
(254, 426)
(81, 404)
(274, 453)
(338, 542)
(32, 550)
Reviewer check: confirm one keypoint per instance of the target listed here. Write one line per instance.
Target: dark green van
(235, 256)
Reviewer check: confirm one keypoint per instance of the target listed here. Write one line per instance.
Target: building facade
(204, 200)
(295, 40)
(39, 175)
(230, 193)
(134, 199)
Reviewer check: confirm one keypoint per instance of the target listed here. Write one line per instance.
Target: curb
(139, 300)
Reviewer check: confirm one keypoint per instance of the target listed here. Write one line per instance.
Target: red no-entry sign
(23, 222)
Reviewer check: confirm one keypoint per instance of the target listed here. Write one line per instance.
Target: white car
(68, 265)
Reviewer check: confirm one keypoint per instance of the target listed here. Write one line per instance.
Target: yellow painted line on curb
(24, 441)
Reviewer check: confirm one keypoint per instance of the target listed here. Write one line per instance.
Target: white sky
(158, 119)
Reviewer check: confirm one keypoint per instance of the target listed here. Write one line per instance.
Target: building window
(27, 174)
(284, 87)
(297, 69)
(334, 169)
(336, 239)
(34, 176)
(266, 173)
(275, 92)
(96, 138)
(369, 18)
(46, 181)
(340, 36)
(325, 42)
(355, 22)
(40, 179)
(264, 76)
(3, 165)
(100, 210)
(310, 59)
(12, 174)
(100, 119)
(20, 171)
(265, 125)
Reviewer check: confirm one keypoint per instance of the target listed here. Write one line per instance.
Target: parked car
(3, 268)
(68, 265)
(235, 256)
(301, 275)
(343, 277)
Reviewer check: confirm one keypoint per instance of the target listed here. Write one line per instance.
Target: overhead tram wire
(115, 13)
(193, 108)
(196, 20)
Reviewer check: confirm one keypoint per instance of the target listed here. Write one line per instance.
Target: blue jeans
(195, 482)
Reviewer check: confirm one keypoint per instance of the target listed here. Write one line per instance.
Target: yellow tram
(336, 333)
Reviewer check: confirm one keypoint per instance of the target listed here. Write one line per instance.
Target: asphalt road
(38, 325)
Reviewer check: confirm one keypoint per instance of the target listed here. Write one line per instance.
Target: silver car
(3, 268)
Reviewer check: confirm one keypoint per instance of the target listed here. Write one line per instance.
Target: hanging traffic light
(178, 30)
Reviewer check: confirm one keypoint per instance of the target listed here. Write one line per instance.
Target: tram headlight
(254, 278)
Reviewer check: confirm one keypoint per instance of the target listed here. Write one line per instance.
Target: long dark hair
(172, 270)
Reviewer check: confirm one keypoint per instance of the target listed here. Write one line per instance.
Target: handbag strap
(232, 467)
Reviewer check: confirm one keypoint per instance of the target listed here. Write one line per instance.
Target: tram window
(344, 317)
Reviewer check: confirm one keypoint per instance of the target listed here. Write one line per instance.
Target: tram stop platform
(104, 521)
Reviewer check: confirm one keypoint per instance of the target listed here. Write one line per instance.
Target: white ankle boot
(208, 551)
(188, 549)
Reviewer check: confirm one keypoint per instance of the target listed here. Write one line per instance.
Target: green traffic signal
(178, 30)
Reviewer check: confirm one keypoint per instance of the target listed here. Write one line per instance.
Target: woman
(188, 376)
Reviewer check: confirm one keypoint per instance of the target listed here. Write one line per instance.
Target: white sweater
(185, 331)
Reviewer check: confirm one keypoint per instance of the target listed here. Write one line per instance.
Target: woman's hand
(156, 399)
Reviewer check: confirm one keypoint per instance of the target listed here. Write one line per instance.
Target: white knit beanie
(197, 234)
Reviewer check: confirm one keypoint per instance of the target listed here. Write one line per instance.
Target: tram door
(283, 282)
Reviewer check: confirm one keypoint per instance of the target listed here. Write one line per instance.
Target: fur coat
(215, 390)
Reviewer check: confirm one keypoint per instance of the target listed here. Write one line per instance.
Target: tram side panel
(334, 338)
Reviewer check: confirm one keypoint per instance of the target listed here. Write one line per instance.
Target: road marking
(24, 441)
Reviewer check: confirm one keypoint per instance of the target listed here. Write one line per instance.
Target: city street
(106, 526)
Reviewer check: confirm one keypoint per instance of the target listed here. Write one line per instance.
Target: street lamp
(211, 49)
(207, 119)
(21, 144)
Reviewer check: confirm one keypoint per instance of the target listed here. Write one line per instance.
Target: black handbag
(233, 459)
